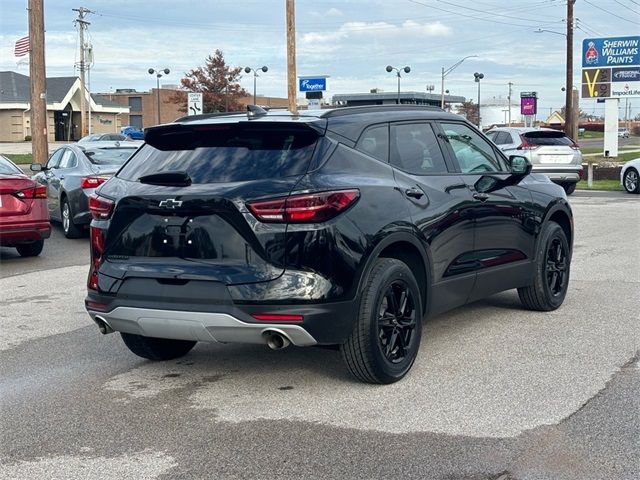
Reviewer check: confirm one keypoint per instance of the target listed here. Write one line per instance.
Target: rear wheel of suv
(631, 181)
(551, 276)
(386, 336)
(70, 229)
(156, 348)
(30, 249)
(569, 188)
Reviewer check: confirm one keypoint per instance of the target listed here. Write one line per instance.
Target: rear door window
(415, 149)
(68, 160)
(225, 152)
(502, 138)
(544, 138)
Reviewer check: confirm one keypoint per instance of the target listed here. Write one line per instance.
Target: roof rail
(340, 111)
(204, 116)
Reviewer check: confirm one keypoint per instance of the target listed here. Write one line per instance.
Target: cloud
(334, 12)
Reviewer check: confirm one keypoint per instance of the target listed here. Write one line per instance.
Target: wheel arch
(560, 213)
(409, 249)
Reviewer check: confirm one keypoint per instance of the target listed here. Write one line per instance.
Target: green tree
(218, 84)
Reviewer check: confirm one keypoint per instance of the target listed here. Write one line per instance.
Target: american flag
(22, 47)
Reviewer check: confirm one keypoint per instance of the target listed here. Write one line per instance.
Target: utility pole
(291, 56)
(82, 24)
(509, 98)
(38, 83)
(569, 121)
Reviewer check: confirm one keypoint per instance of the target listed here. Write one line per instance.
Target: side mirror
(35, 167)
(520, 166)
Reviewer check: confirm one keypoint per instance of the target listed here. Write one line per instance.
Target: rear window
(547, 138)
(225, 153)
(108, 156)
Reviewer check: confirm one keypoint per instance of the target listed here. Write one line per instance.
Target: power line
(626, 6)
(493, 13)
(611, 13)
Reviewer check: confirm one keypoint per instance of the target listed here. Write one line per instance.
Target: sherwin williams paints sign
(611, 67)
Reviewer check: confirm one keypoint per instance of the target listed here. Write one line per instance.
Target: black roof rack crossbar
(340, 111)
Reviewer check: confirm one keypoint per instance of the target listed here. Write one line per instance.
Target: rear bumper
(560, 175)
(197, 326)
(11, 235)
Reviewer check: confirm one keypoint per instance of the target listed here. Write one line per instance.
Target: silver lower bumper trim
(198, 326)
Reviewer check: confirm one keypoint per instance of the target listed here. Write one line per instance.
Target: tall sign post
(611, 70)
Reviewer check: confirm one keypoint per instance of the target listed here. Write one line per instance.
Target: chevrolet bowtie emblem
(170, 203)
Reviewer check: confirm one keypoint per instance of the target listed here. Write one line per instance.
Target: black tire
(70, 229)
(30, 249)
(372, 353)
(552, 269)
(569, 188)
(631, 181)
(156, 349)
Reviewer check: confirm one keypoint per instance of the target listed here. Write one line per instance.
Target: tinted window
(502, 138)
(7, 167)
(225, 153)
(374, 141)
(68, 159)
(547, 138)
(108, 156)
(55, 158)
(415, 149)
(474, 153)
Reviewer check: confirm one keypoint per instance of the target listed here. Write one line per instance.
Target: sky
(351, 41)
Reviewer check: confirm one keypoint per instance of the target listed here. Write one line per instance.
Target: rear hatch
(551, 147)
(17, 194)
(182, 208)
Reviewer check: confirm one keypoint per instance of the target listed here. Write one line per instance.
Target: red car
(24, 216)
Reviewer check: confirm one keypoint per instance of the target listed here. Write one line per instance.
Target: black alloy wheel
(396, 322)
(556, 267)
(385, 339)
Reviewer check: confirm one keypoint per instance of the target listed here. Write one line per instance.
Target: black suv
(340, 227)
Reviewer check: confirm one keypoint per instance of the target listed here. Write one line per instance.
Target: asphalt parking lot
(496, 392)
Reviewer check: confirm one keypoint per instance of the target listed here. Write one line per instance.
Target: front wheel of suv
(551, 275)
(156, 349)
(631, 181)
(386, 336)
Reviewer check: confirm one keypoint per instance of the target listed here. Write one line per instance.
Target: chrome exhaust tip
(102, 325)
(276, 340)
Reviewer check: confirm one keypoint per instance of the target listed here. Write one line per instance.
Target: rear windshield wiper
(167, 179)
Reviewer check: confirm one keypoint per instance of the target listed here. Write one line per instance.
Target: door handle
(414, 192)
(483, 197)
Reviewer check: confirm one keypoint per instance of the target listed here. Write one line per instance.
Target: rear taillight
(101, 208)
(97, 249)
(575, 146)
(525, 145)
(39, 191)
(304, 208)
(92, 182)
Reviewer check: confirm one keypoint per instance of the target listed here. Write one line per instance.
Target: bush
(27, 138)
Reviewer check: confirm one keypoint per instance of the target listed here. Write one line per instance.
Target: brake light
(525, 145)
(275, 317)
(304, 208)
(92, 182)
(39, 191)
(97, 249)
(101, 208)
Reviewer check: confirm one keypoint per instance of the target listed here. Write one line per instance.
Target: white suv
(550, 152)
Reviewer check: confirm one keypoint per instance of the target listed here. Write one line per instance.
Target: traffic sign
(194, 103)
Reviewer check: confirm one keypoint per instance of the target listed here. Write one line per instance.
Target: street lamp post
(255, 75)
(158, 74)
(446, 72)
(406, 69)
(478, 76)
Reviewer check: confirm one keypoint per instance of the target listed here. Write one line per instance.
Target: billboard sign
(312, 84)
(611, 67)
(528, 103)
